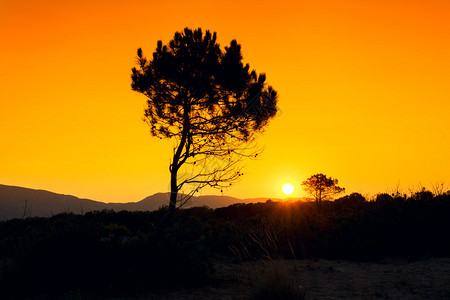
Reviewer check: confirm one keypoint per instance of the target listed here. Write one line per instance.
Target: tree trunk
(173, 193)
(172, 205)
(174, 167)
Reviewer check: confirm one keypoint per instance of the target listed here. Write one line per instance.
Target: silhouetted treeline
(115, 253)
(348, 228)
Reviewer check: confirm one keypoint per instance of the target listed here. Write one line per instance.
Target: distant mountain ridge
(20, 202)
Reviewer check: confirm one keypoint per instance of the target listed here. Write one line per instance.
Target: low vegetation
(109, 253)
(273, 280)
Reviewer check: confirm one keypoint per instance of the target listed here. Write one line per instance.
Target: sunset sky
(364, 89)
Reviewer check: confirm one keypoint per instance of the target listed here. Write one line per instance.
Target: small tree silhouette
(209, 103)
(321, 188)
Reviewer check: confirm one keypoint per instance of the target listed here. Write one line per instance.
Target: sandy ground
(329, 279)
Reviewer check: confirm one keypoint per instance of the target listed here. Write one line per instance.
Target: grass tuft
(275, 281)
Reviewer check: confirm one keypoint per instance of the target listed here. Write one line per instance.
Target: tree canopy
(321, 187)
(208, 101)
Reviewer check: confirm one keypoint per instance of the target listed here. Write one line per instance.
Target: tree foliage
(209, 102)
(321, 188)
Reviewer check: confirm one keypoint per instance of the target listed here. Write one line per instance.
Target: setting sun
(287, 188)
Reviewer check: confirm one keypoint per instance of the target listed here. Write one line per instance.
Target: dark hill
(159, 200)
(19, 202)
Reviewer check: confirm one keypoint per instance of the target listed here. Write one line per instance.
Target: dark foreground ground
(329, 279)
(116, 255)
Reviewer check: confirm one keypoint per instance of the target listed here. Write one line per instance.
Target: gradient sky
(364, 93)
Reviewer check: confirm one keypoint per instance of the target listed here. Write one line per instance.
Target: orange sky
(364, 91)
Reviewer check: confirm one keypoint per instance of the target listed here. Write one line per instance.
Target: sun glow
(102, 150)
(287, 188)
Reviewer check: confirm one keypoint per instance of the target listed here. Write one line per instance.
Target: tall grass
(269, 278)
(274, 279)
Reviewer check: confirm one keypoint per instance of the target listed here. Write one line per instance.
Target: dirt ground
(328, 279)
